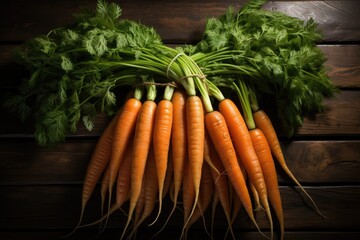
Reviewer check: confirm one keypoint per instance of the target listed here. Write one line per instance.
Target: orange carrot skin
(178, 138)
(243, 145)
(141, 146)
(196, 134)
(123, 182)
(263, 122)
(123, 129)
(263, 152)
(161, 140)
(98, 162)
(220, 136)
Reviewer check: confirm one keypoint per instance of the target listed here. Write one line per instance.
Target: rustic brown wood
(166, 234)
(175, 21)
(341, 117)
(319, 162)
(41, 187)
(59, 206)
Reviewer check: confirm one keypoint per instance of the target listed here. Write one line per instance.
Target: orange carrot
(243, 145)
(149, 191)
(220, 136)
(141, 146)
(205, 196)
(123, 182)
(161, 140)
(263, 152)
(98, 162)
(220, 181)
(178, 141)
(195, 136)
(123, 130)
(188, 191)
(263, 122)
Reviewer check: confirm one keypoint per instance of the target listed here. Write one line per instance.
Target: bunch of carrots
(180, 145)
(189, 140)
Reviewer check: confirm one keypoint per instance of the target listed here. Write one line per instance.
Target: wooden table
(40, 188)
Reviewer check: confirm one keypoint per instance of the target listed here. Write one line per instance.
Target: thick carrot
(161, 142)
(243, 145)
(124, 129)
(220, 136)
(263, 122)
(195, 136)
(141, 146)
(263, 152)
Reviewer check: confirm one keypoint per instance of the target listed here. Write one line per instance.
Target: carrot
(220, 181)
(263, 122)
(205, 196)
(263, 152)
(123, 182)
(220, 136)
(179, 154)
(243, 145)
(188, 191)
(99, 160)
(178, 141)
(168, 183)
(149, 191)
(104, 189)
(141, 146)
(123, 130)
(195, 136)
(161, 140)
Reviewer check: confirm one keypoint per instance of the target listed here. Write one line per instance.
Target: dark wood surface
(41, 187)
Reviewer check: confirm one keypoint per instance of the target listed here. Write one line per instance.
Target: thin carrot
(149, 190)
(220, 136)
(263, 122)
(141, 146)
(98, 162)
(219, 179)
(205, 196)
(161, 140)
(188, 192)
(123, 182)
(263, 152)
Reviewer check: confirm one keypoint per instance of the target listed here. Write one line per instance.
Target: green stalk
(243, 94)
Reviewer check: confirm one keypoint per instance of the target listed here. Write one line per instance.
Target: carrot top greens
(77, 71)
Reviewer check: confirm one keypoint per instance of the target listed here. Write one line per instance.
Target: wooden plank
(312, 162)
(175, 21)
(343, 65)
(59, 206)
(166, 234)
(341, 117)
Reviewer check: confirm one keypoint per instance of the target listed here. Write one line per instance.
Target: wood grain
(176, 22)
